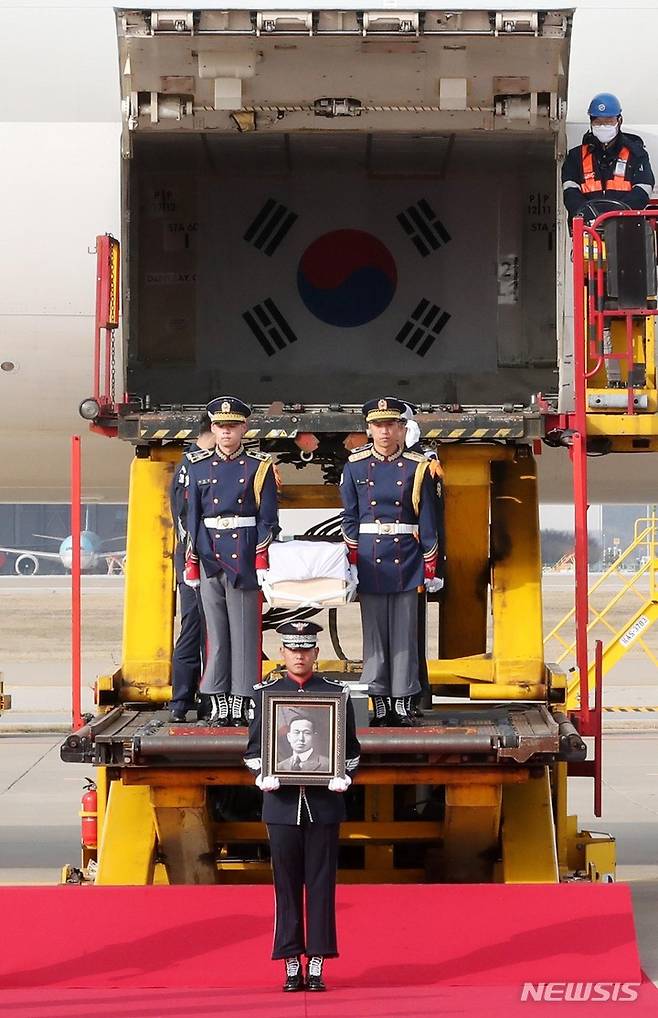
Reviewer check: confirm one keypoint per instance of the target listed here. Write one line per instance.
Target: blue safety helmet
(604, 105)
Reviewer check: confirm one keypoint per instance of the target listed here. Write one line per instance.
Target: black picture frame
(283, 717)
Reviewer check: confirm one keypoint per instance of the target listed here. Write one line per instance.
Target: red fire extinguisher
(89, 815)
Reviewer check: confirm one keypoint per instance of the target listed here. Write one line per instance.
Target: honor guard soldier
(231, 519)
(186, 659)
(303, 822)
(609, 164)
(390, 529)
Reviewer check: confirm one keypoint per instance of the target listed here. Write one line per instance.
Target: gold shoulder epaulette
(264, 457)
(200, 454)
(417, 457)
(361, 453)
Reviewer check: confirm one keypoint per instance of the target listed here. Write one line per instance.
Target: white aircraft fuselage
(62, 132)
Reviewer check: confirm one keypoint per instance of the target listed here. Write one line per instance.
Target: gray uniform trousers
(390, 643)
(233, 634)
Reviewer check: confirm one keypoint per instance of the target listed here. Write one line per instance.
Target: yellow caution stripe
(632, 710)
(474, 433)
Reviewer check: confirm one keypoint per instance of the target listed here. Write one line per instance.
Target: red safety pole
(579, 465)
(76, 612)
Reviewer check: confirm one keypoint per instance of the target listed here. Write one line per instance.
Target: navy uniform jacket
(638, 172)
(242, 484)
(294, 803)
(178, 502)
(376, 489)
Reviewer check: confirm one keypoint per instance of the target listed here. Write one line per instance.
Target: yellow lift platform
(478, 792)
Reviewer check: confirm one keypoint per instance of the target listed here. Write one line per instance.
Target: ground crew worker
(390, 529)
(186, 659)
(303, 822)
(609, 164)
(231, 519)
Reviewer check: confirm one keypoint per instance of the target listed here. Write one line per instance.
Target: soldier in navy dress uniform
(232, 517)
(186, 659)
(390, 529)
(303, 823)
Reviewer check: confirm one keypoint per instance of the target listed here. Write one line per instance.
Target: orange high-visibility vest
(617, 183)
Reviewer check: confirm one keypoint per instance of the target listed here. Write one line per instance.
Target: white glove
(269, 784)
(339, 784)
(354, 575)
(261, 576)
(434, 585)
(412, 436)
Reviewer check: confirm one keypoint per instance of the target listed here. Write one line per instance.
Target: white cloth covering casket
(305, 574)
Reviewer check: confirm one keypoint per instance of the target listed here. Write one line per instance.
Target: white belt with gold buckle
(229, 522)
(388, 528)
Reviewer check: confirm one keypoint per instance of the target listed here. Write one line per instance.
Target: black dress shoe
(399, 721)
(315, 984)
(215, 721)
(179, 717)
(294, 984)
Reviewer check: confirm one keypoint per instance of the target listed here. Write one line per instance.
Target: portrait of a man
(304, 745)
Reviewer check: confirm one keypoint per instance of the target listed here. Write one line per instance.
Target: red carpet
(403, 1002)
(405, 950)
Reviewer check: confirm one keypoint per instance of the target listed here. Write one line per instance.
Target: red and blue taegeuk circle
(347, 278)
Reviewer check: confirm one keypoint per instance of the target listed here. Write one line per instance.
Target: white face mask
(605, 133)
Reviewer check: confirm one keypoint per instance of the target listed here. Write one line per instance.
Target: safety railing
(628, 574)
(615, 289)
(592, 310)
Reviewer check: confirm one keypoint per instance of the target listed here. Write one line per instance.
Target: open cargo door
(327, 204)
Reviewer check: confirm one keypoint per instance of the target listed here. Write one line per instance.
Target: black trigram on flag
(422, 328)
(270, 226)
(423, 228)
(269, 327)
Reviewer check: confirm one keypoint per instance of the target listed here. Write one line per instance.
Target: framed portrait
(303, 737)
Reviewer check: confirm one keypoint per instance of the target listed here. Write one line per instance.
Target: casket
(308, 574)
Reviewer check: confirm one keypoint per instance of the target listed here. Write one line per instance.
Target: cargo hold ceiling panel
(255, 71)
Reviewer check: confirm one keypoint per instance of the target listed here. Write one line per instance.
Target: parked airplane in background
(92, 556)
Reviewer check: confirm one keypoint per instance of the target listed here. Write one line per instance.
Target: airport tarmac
(35, 645)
